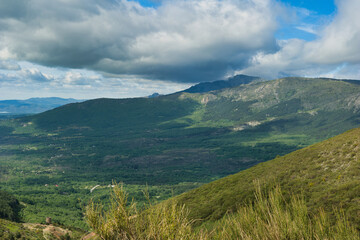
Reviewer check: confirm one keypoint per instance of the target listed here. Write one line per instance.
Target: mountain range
(174, 143)
(32, 105)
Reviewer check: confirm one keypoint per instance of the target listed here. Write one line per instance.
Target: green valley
(52, 161)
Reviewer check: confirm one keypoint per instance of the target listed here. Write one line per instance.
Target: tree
(10, 207)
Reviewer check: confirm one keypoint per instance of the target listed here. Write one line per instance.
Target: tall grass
(272, 217)
(268, 217)
(123, 221)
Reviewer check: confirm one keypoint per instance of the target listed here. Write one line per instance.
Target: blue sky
(122, 48)
(315, 13)
(321, 7)
(149, 3)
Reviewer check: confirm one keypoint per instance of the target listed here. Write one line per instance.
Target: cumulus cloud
(35, 75)
(180, 40)
(287, 61)
(82, 84)
(335, 53)
(340, 41)
(76, 78)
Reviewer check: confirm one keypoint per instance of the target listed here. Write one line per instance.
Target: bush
(10, 207)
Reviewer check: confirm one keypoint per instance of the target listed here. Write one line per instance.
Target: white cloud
(335, 53)
(308, 28)
(339, 41)
(35, 75)
(276, 64)
(76, 78)
(39, 81)
(181, 40)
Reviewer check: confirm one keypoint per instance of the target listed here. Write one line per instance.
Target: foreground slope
(327, 173)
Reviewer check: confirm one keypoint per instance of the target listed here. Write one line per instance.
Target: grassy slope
(328, 173)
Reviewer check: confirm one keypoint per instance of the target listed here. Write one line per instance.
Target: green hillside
(173, 143)
(327, 173)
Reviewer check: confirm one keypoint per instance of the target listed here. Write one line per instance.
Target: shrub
(10, 207)
(123, 221)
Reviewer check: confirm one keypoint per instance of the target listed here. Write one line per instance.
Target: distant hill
(32, 105)
(221, 84)
(319, 108)
(327, 173)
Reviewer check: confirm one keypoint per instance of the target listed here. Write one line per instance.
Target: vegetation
(173, 143)
(277, 219)
(11, 230)
(126, 222)
(9, 207)
(31, 231)
(274, 218)
(327, 173)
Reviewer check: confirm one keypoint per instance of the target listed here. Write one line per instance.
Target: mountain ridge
(33, 105)
(221, 84)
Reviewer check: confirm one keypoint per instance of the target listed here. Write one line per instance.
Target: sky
(131, 48)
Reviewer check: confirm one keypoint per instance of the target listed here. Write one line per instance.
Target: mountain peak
(220, 84)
